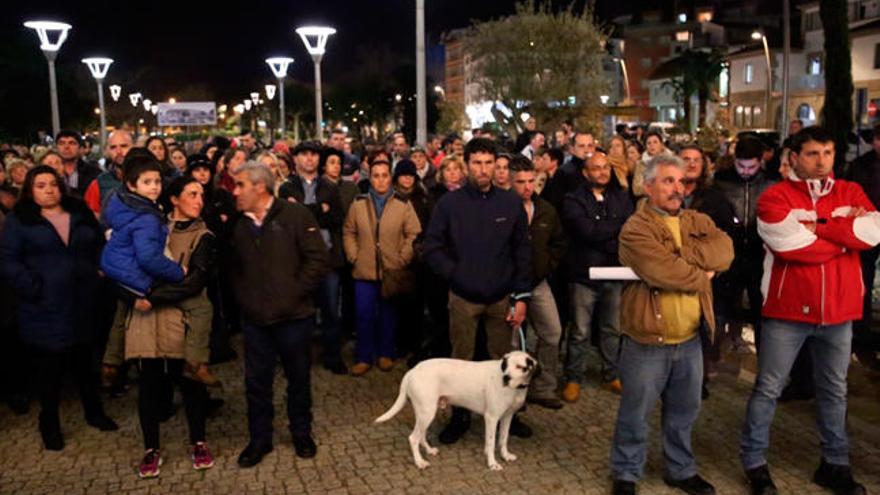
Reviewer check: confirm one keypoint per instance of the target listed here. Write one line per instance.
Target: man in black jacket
(280, 260)
(78, 173)
(594, 214)
(548, 247)
(321, 196)
(478, 240)
(865, 170)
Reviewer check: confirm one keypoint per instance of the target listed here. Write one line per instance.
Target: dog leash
(518, 332)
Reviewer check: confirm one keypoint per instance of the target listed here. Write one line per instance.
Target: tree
(837, 114)
(695, 71)
(544, 63)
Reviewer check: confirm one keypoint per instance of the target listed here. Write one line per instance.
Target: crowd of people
(148, 260)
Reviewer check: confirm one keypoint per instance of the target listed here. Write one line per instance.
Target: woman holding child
(169, 321)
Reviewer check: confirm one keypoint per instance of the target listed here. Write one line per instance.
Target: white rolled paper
(612, 273)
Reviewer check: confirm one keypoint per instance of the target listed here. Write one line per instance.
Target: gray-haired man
(280, 258)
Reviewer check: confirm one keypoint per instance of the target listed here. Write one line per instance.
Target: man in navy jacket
(478, 240)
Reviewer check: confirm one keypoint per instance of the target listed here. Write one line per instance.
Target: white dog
(495, 389)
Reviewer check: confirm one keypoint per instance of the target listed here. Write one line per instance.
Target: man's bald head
(118, 144)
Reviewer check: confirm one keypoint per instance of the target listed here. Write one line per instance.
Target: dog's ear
(504, 364)
(530, 363)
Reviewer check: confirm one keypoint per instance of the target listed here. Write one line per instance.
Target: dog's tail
(398, 404)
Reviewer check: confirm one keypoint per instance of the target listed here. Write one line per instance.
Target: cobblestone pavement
(568, 453)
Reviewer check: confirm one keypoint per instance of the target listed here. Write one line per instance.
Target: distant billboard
(187, 113)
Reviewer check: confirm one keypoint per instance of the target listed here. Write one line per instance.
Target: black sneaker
(304, 446)
(252, 455)
(695, 485)
(545, 402)
(457, 426)
(623, 488)
(838, 478)
(52, 438)
(103, 423)
(519, 429)
(760, 481)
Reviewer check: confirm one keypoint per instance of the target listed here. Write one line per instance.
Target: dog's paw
(422, 464)
(494, 466)
(432, 450)
(507, 456)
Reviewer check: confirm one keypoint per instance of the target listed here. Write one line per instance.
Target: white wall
(863, 58)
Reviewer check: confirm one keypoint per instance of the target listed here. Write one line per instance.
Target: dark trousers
(410, 310)
(153, 385)
(81, 361)
(729, 300)
(437, 299)
(863, 338)
(326, 298)
(376, 320)
(263, 345)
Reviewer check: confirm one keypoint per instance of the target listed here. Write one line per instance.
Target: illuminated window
(682, 36)
(749, 74)
(704, 16)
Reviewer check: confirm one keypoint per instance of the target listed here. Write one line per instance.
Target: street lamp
(248, 104)
(270, 91)
(45, 31)
(759, 35)
(255, 97)
(315, 39)
(147, 104)
(99, 66)
(421, 97)
(279, 68)
(133, 98)
(115, 92)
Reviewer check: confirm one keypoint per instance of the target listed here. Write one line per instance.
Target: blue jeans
(327, 300)
(587, 301)
(375, 322)
(291, 340)
(673, 373)
(780, 342)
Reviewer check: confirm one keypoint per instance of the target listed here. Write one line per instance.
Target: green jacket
(547, 240)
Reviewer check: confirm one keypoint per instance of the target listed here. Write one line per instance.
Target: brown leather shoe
(108, 375)
(614, 386)
(201, 373)
(385, 364)
(359, 369)
(571, 392)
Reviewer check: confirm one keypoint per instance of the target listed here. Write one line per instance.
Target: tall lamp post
(45, 31)
(315, 39)
(421, 96)
(279, 67)
(759, 35)
(98, 66)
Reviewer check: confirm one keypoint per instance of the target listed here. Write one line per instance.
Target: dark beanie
(405, 167)
(197, 160)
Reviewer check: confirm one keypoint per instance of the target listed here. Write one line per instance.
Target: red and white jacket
(815, 277)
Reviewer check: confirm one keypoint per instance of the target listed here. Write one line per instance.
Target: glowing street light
(270, 91)
(154, 109)
(99, 66)
(115, 92)
(279, 67)
(758, 35)
(147, 103)
(133, 98)
(248, 104)
(52, 35)
(315, 39)
(255, 97)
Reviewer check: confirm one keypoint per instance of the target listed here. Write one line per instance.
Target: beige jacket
(391, 237)
(647, 246)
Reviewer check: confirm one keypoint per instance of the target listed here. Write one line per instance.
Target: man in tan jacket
(676, 253)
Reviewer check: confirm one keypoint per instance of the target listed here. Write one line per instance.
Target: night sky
(211, 45)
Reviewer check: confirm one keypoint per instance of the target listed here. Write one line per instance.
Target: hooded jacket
(56, 284)
(135, 253)
(815, 277)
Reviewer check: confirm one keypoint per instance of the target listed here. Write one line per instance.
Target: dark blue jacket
(593, 227)
(480, 243)
(134, 256)
(56, 285)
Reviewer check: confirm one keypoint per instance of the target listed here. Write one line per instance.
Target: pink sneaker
(150, 464)
(201, 456)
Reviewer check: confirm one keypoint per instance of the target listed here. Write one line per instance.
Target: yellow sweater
(681, 310)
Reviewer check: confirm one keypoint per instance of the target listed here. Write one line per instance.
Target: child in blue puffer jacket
(134, 256)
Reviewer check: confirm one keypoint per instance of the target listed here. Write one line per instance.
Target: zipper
(782, 281)
(822, 302)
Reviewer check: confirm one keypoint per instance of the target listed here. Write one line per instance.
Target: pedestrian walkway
(567, 454)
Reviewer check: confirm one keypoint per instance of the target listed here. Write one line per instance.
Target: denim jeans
(263, 345)
(327, 300)
(780, 342)
(604, 302)
(543, 322)
(673, 373)
(376, 321)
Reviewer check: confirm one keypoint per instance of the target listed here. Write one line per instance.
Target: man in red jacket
(814, 227)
